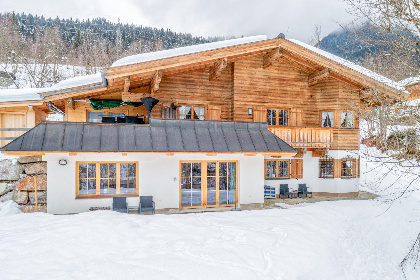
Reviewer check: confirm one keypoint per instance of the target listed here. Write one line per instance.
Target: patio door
(208, 184)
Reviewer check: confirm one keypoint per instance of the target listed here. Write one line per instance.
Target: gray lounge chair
(284, 190)
(303, 190)
(146, 204)
(120, 204)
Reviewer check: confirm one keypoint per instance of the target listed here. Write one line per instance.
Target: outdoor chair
(284, 190)
(303, 190)
(120, 204)
(146, 204)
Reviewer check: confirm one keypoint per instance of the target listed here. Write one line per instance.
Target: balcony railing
(304, 137)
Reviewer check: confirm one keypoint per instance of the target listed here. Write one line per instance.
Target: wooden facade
(239, 83)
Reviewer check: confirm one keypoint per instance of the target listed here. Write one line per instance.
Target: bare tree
(316, 38)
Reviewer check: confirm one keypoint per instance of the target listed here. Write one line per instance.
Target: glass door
(191, 184)
(208, 184)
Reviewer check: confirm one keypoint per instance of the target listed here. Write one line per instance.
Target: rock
(21, 197)
(30, 159)
(31, 208)
(8, 196)
(23, 176)
(9, 170)
(6, 187)
(36, 168)
(28, 183)
(42, 197)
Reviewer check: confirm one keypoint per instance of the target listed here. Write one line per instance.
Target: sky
(295, 18)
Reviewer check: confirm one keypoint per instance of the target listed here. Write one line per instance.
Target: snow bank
(144, 57)
(352, 66)
(8, 208)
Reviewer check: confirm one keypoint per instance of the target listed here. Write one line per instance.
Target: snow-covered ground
(325, 240)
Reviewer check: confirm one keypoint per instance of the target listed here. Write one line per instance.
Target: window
(106, 178)
(347, 168)
(346, 119)
(277, 117)
(327, 119)
(191, 113)
(277, 168)
(96, 117)
(326, 168)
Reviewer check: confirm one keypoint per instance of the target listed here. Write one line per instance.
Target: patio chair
(108, 120)
(303, 190)
(284, 190)
(130, 119)
(120, 204)
(146, 204)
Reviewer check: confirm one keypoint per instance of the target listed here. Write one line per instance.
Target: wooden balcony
(304, 137)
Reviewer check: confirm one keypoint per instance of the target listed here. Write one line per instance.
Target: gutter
(104, 83)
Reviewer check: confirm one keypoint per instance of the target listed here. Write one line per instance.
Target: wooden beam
(127, 84)
(316, 77)
(217, 68)
(154, 84)
(270, 57)
(70, 103)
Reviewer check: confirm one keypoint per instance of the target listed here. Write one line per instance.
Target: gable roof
(159, 136)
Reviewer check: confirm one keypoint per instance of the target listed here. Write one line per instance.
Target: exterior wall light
(62, 162)
(249, 111)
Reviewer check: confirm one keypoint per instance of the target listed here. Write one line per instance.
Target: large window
(96, 116)
(275, 168)
(326, 168)
(327, 119)
(277, 117)
(347, 168)
(191, 113)
(106, 178)
(347, 119)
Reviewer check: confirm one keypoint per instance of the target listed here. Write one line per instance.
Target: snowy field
(350, 239)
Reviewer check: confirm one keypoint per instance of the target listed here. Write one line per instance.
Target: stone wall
(17, 182)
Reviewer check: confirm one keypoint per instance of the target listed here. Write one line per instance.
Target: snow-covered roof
(410, 81)
(76, 82)
(353, 66)
(144, 57)
(23, 94)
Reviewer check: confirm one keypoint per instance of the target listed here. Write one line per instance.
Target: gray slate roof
(159, 136)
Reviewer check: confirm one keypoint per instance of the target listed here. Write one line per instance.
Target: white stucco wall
(158, 176)
(311, 176)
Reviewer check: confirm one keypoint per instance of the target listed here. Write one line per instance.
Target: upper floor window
(191, 113)
(327, 119)
(347, 119)
(96, 117)
(277, 117)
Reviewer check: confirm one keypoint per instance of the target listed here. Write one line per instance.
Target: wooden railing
(304, 137)
(9, 134)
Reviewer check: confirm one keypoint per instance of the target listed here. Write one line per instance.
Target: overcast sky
(294, 18)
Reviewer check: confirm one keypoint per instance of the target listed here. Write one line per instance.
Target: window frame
(106, 111)
(352, 168)
(331, 119)
(352, 119)
(277, 117)
(277, 169)
(98, 193)
(192, 111)
(320, 168)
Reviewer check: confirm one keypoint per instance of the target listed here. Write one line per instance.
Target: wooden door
(11, 120)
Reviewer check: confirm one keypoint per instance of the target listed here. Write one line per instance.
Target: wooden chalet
(303, 96)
